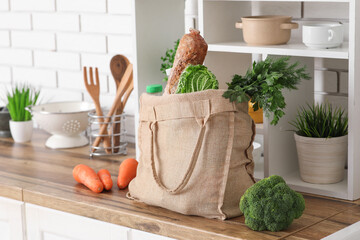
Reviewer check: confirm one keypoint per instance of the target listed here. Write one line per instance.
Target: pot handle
(239, 25)
(331, 35)
(289, 26)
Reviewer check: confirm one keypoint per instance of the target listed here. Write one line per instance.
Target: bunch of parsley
(168, 59)
(263, 85)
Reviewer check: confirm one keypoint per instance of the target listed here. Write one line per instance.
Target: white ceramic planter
(321, 160)
(21, 131)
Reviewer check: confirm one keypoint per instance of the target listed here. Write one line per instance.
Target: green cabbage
(196, 78)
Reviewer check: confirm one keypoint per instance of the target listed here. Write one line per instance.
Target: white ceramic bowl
(65, 121)
(323, 35)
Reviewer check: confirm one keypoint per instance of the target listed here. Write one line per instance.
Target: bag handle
(190, 168)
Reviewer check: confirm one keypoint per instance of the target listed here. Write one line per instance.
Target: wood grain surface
(32, 173)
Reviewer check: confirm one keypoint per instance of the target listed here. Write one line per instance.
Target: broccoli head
(271, 205)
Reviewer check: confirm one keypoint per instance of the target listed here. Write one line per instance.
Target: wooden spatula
(118, 65)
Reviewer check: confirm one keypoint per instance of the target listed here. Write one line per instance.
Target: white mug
(323, 35)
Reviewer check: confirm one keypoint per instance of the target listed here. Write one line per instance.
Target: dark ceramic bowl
(4, 122)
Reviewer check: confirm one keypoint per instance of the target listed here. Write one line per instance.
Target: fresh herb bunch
(263, 85)
(19, 98)
(168, 59)
(321, 121)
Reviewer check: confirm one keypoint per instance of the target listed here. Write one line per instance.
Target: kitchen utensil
(129, 89)
(94, 92)
(118, 65)
(323, 35)
(4, 123)
(65, 121)
(93, 132)
(266, 30)
(125, 81)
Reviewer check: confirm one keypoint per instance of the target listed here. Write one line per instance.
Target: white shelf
(290, 49)
(336, 190)
(326, 1)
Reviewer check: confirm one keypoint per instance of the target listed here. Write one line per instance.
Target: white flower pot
(21, 131)
(321, 160)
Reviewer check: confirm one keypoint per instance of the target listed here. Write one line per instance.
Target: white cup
(323, 35)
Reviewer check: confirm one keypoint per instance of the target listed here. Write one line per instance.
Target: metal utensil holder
(95, 123)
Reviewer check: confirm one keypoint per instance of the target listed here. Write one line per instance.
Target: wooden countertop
(34, 174)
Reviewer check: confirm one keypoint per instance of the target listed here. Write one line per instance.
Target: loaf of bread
(192, 50)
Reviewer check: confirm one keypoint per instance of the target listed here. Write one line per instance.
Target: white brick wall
(4, 5)
(56, 21)
(33, 40)
(34, 76)
(82, 5)
(57, 60)
(4, 39)
(76, 42)
(33, 5)
(99, 23)
(5, 73)
(14, 20)
(48, 42)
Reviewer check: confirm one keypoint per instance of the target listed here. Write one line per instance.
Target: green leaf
(168, 59)
(19, 98)
(321, 121)
(196, 78)
(265, 82)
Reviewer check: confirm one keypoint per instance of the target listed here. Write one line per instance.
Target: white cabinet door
(11, 219)
(140, 235)
(48, 224)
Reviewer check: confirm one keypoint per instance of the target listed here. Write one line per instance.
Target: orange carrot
(105, 178)
(127, 171)
(87, 176)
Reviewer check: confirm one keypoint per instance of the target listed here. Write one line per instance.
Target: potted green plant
(263, 85)
(168, 60)
(321, 143)
(21, 124)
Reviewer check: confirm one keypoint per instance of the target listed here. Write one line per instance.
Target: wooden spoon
(118, 65)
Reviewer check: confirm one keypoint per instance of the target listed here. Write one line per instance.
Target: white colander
(65, 121)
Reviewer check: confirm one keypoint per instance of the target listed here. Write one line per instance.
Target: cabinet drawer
(11, 219)
(48, 224)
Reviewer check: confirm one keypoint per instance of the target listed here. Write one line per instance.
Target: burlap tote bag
(195, 154)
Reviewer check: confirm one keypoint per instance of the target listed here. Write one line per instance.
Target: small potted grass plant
(321, 143)
(21, 124)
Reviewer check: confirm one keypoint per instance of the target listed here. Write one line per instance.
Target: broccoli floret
(271, 205)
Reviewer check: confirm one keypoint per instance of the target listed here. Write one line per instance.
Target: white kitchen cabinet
(48, 224)
(141, 235)
(11, 219)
